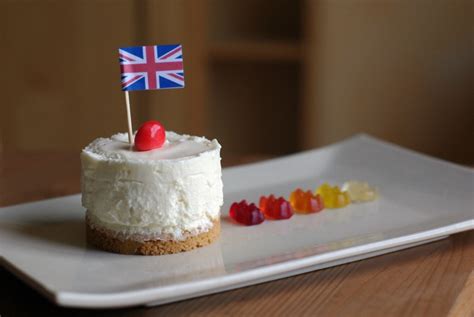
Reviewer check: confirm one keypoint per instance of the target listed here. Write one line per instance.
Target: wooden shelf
(264, 96)
(259, 51)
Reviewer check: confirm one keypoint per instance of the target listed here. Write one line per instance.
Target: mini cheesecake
(161, 201)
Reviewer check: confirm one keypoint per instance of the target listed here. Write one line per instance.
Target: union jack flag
(152, 67)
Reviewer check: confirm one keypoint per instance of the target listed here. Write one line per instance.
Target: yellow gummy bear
(332, 196)
(360, 191)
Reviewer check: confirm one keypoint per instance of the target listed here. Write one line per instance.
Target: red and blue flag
(152, 67)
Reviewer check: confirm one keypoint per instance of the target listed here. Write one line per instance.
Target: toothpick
(129, 118)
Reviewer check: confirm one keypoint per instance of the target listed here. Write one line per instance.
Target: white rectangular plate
(422, 199)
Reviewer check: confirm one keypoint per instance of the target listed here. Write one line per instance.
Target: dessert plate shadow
(422, 199)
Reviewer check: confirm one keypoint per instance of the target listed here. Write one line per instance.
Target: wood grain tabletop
(435, 279)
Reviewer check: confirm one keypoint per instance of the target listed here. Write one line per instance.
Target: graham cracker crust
(104, 240)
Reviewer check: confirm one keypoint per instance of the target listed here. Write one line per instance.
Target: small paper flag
(152, 67)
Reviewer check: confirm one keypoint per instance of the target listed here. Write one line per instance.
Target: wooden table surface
(436, 279)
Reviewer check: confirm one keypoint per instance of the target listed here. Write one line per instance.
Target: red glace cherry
(151, 135)
(246, 214)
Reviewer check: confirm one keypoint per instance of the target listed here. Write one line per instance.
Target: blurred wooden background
(264, 77)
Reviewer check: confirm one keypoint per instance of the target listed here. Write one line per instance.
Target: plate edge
(140, 297)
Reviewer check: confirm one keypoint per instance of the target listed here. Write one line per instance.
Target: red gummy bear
(276, 208)
(246, 214)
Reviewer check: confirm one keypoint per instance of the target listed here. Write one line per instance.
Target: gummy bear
(360, 191)
(275, 208)
(332, 196)
(305, 202)
(246, 214)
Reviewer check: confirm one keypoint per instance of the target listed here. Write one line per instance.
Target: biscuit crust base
(104, 239)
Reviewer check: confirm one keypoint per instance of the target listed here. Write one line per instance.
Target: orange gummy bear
(305, 202)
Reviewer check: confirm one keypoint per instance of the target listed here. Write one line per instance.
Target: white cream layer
(167, 193)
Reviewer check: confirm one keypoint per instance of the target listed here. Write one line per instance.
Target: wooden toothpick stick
(129, 118)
